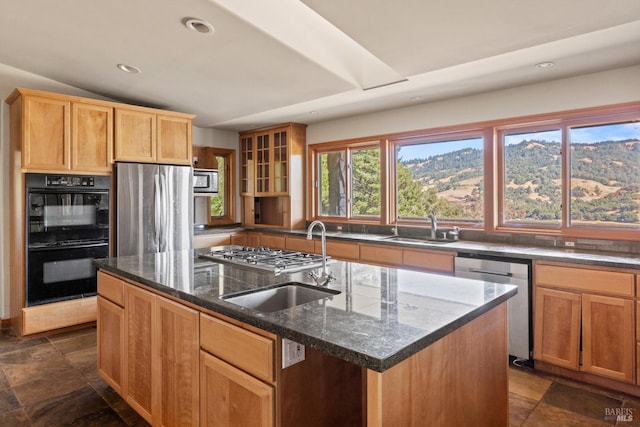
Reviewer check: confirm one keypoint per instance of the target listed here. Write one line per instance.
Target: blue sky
(585, 135)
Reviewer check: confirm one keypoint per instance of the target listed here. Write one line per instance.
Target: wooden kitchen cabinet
(437, 262)
(237, 375)
(62, 133)
(271, 176)
(381, 255)
(340, 250)
(142, 135)
(233, 398)
(141, 365)
(178, 335)
(300, 244)
(584, 319)
(272, 241)
(557, 327)
(148, 351)
(91, 137)
(608, 336)
(110, 357)
(208, 240)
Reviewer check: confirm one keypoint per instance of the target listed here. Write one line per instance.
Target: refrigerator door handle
(157, 226)
(165, 212)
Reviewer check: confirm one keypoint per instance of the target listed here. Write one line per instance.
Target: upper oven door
(67, 215)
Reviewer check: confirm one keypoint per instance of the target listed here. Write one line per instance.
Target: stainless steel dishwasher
(512, 271)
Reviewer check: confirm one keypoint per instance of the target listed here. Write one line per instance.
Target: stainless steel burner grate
(275, 260)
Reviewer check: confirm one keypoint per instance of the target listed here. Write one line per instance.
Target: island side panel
(461, 379)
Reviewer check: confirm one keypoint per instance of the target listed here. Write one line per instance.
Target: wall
(10, 78)
(611, 87)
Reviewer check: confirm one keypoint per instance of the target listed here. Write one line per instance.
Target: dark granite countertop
(601, 258)
(381, 316)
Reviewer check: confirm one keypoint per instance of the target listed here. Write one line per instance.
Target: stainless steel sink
(279, 298)
(417, 240)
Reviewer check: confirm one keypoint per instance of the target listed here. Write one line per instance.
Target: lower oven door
(62, 273)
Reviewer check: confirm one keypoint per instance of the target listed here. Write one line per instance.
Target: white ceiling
(272, 61)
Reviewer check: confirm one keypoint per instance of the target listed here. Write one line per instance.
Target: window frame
(602, 116)
(315, 150)
(434, 138)
(229, 181)
(493, 169)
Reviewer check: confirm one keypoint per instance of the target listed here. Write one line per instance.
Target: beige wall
(611, 87)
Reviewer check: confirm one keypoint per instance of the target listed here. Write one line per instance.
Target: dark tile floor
(52, 381)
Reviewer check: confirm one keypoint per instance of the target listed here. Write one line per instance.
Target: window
(444, 177)
(222, 205)
(605, 175)
(577, 176)
(532, 179)
(349, 182)
(574, 174)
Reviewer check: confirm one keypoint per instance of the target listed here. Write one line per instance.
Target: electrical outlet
(292, 353)
(570, 244)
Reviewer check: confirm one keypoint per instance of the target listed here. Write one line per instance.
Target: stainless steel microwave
(205, 181)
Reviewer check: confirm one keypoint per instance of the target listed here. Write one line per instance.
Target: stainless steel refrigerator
(154, 208)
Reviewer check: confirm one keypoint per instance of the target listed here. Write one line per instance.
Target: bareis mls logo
(618, 414)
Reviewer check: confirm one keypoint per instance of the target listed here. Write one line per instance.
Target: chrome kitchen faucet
(325, 277)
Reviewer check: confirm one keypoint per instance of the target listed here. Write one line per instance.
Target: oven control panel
(69, 181)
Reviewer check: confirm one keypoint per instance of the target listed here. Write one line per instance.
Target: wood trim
(588, 378)
(58, 315)
(72, 98)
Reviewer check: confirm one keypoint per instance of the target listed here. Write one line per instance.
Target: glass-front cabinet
(246, 164)
(269, 157)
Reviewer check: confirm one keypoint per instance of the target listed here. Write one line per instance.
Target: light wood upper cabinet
(272, 176)
(144, 136)
(61, 135)
(135, 136)
(91, 137)
(45, 134)
(173, 140)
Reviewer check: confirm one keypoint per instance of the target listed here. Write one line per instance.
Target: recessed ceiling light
(129, 69)
(314, 113)
(198, 25)
(417, 98)
(545, 64)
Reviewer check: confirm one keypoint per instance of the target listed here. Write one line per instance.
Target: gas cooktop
(264, 258)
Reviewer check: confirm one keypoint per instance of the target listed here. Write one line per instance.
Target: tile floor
(52, 381)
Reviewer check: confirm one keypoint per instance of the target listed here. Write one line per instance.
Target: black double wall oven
(67, 227)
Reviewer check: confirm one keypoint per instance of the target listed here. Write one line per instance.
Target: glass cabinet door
(246, 164)
(262, 163)
(280, 163)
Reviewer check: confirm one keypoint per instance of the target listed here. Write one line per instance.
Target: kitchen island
(393, 347)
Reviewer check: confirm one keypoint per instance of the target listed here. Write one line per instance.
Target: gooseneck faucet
(325, 277)
(434, 224)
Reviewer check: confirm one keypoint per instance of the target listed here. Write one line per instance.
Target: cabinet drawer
(250, 352)
(208, 240)
(426, 260)
(111, 288)
(340, 250)
(271, 241)
(382, 255)
(585, 279)
(300, 244)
